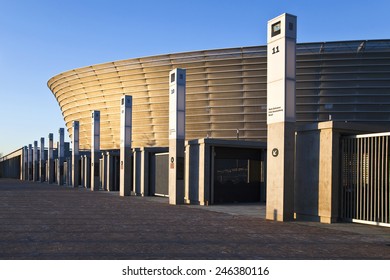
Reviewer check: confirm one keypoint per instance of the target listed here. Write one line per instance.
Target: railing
(365, 186)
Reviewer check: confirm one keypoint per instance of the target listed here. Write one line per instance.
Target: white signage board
(281, 69)
(177, 103)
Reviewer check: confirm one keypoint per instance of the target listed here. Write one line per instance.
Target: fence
(365, 179)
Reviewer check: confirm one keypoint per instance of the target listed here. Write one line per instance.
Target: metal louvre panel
(226, 91)
(344, 85)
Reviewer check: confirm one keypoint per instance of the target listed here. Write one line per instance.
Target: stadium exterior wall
(226, 91)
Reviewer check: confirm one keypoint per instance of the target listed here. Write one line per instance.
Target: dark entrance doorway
(238, 175)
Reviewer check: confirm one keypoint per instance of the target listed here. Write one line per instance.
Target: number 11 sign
(281, 69)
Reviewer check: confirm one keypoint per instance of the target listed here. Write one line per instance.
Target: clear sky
(42, 38)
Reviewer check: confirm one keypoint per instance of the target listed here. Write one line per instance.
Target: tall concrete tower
(281, 57)
(125, 173)
(95, 150)
(25, 164)
(177, 120)
(75, 154)
(50, 160)
(30, 162)
(36, 162)
(61, 157)
(42, 160)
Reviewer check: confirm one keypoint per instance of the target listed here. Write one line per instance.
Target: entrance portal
(237, 175)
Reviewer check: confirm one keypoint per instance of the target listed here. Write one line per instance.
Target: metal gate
(365, 191)
(162, 175)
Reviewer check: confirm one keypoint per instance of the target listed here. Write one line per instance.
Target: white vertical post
(61, 155)
(281, 59)
(30, 162)
(35, 162)
(75, 154)
(125, 146)
(95, 150)
(25, 164)
(50, 160)
(42, 160)
(177, 104)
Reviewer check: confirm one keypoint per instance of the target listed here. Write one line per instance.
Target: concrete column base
(176, 171)
(280, 171)
(125, 172)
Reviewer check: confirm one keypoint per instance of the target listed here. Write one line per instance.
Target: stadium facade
(227, 91)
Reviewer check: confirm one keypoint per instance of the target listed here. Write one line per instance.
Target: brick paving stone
(42, 221)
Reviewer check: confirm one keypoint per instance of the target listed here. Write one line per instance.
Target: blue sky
(41, 38)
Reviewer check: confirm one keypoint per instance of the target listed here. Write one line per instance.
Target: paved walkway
(41, 221)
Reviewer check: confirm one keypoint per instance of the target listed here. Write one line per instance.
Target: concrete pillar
(68, 173)
(144, 188)
(187, 182)
(68, 159)
(95, 150)
(116, 164)
(263, 184)
(65, 171)
(75, 154)
(20, 165)
(30, 162)
(110, 172)
(50, 161)
(55, 168)
(126, 170)
(42, 167)
(87, 172)
(205, 190)
(137, 171)
(25, 164)
(70, 168)
(177, 103)
(281, 59)
(82, 170)
(200, 157)
(61, 156)
(35, 162)
(103, 171)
